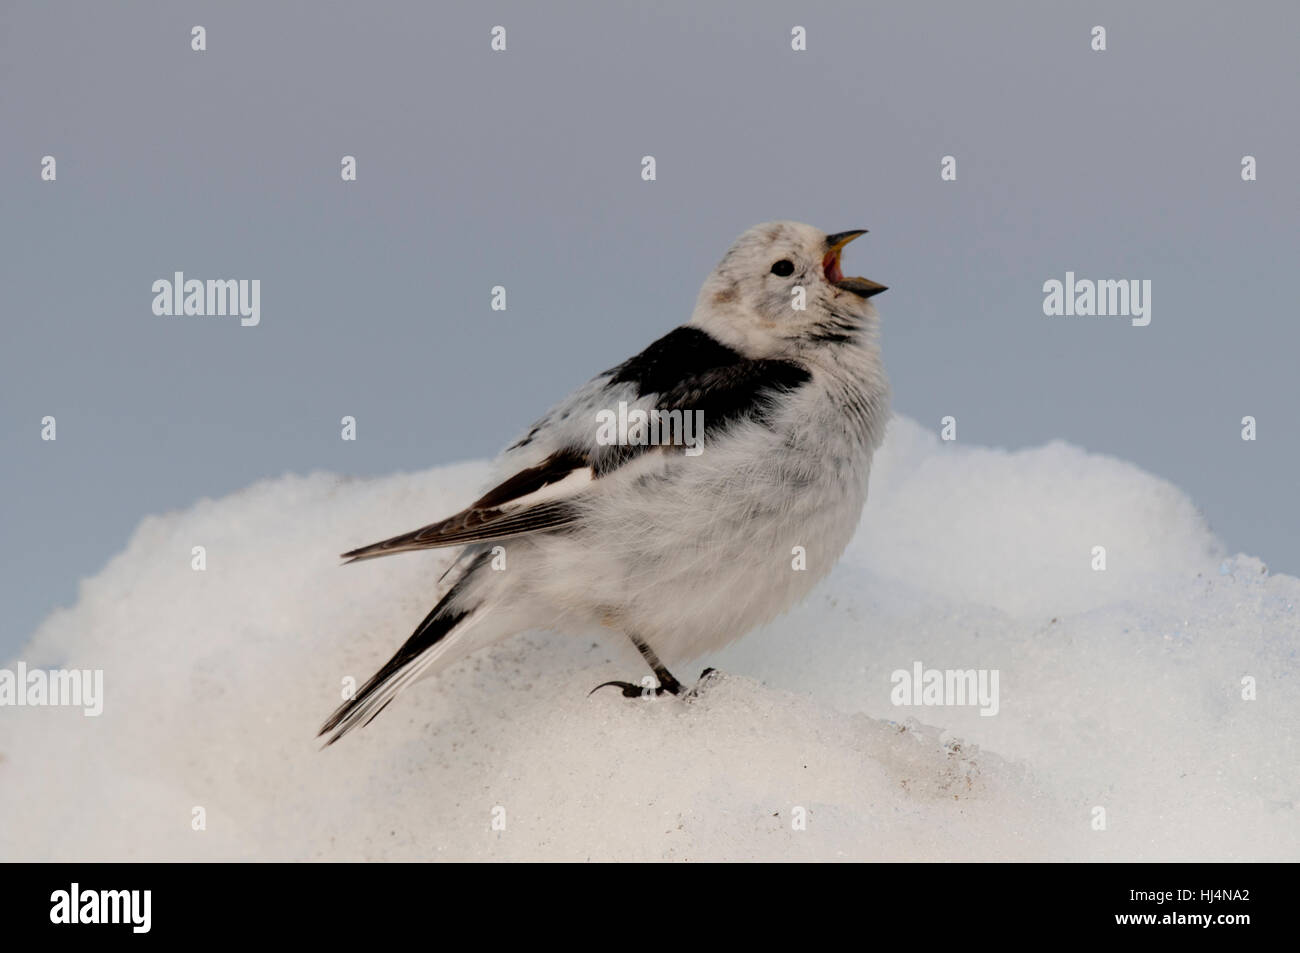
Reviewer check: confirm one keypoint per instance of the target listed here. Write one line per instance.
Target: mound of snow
(1121, 729)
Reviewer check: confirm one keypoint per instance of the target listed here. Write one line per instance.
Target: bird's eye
(784, 268)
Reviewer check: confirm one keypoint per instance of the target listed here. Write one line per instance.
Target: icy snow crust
(1120, 692)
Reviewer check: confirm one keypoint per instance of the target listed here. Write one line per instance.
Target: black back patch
(679, 354)
(689, 370)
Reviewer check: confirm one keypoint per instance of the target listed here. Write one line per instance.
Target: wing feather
(530, 501)
(685, 370)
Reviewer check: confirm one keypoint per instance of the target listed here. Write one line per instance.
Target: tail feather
(408, 663)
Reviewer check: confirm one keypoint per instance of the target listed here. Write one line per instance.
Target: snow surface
(1119, 690)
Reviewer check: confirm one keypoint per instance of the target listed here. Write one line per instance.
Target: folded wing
(531, 500)
(686, 370)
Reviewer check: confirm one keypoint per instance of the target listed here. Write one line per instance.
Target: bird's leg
(667, 683)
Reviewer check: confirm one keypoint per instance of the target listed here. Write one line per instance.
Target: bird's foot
(665, 685)
(649, 687)
(707, 678)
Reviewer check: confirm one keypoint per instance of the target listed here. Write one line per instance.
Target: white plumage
(681, 553)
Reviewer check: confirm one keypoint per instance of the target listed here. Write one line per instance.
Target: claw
(637, 691)
(629, 690)
(708, 675)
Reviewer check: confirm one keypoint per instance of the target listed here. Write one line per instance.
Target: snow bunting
(689, 540)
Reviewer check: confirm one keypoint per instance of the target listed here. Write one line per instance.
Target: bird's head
(780, 288)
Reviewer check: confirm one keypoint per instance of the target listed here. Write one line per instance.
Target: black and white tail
(531, 501)
(429, 641)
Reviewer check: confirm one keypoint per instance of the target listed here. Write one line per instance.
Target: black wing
(504, 511)
(689, 370)
(686, 370)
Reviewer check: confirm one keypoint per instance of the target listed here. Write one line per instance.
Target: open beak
(862, 287)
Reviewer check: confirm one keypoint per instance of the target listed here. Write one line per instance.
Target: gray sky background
(523, 169)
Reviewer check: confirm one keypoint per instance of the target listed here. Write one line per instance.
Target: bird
(680, 547)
